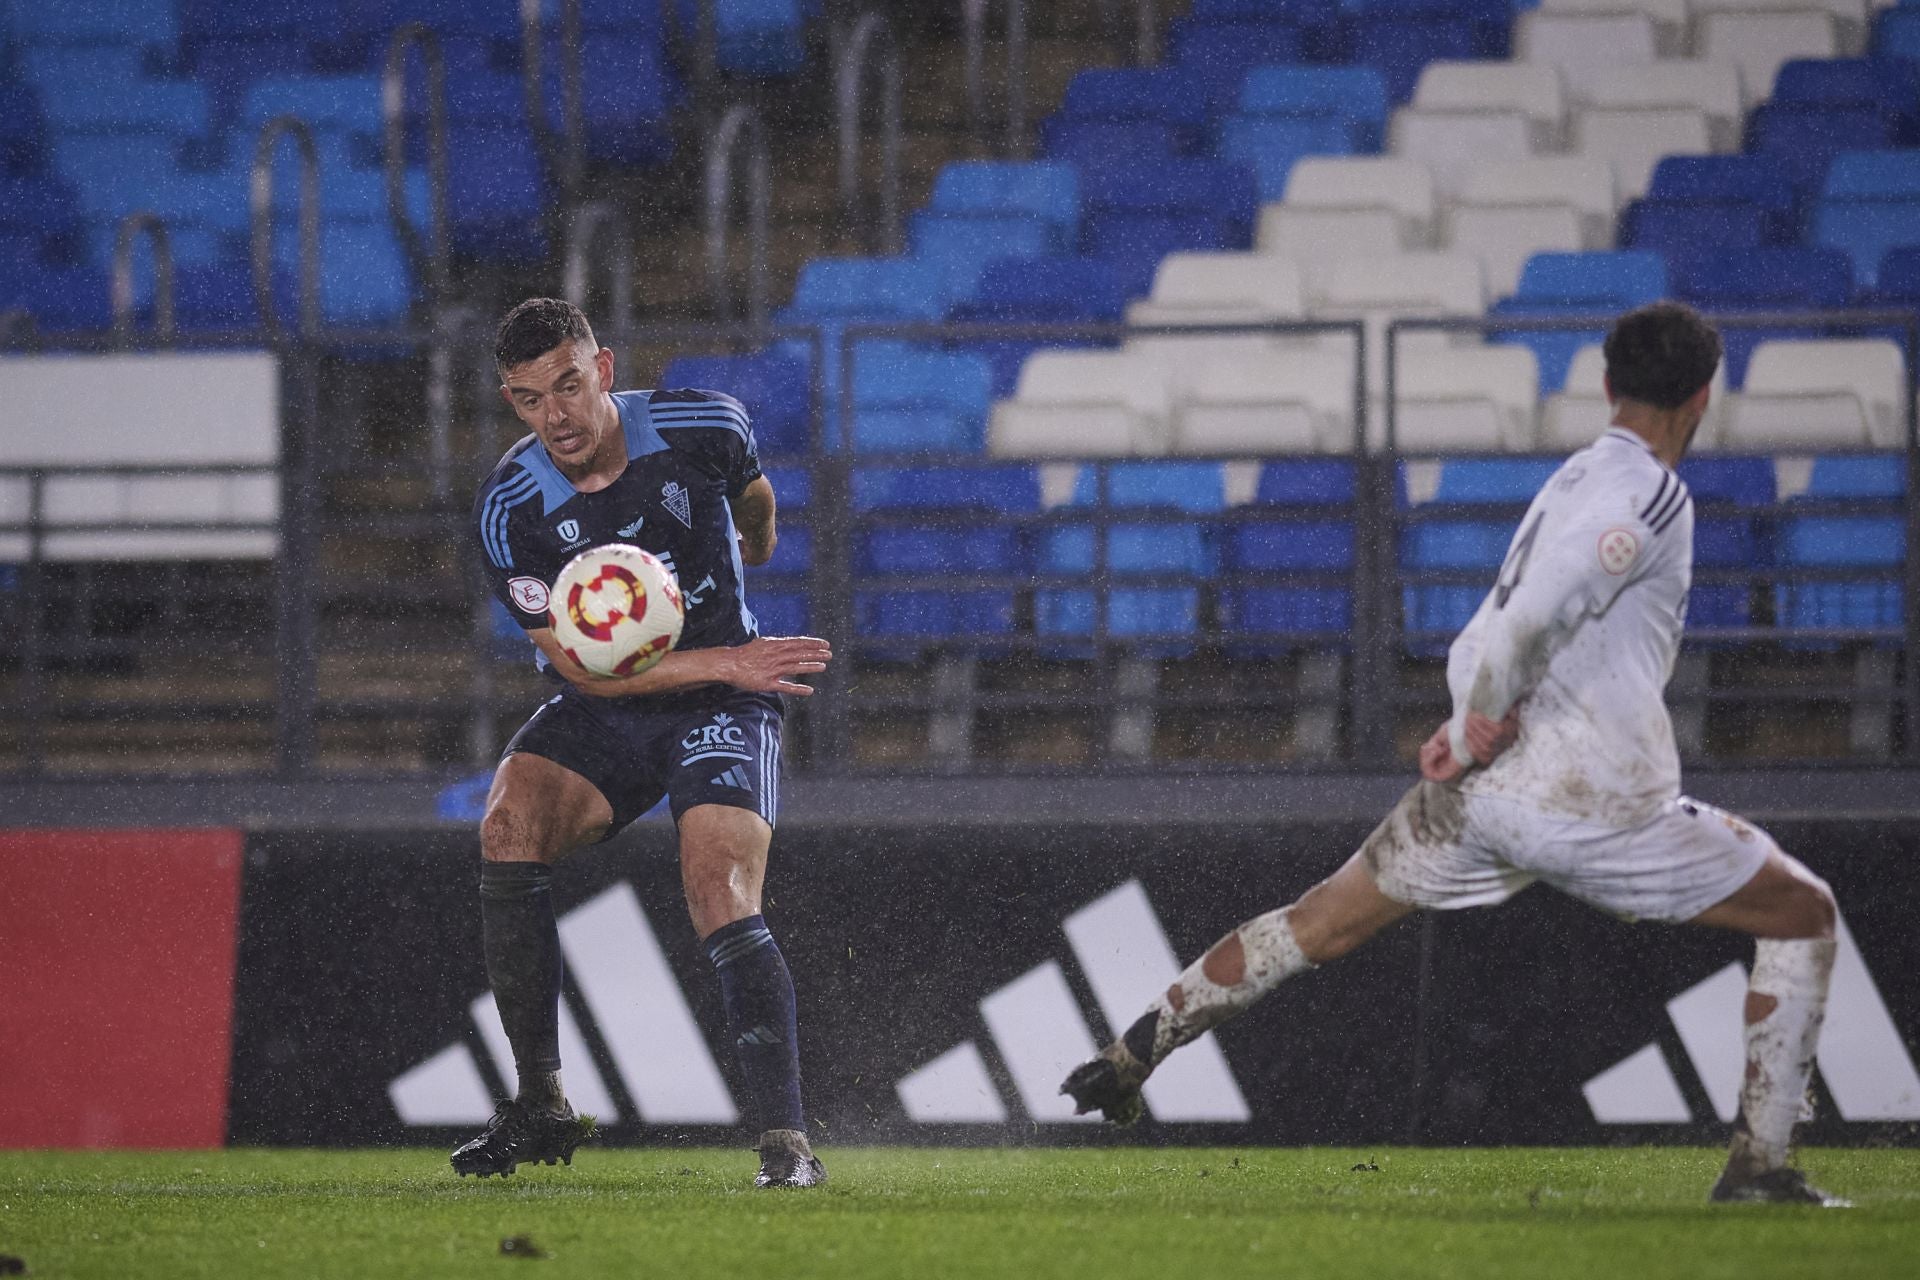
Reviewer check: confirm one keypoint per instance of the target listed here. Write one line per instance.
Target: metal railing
(261, 198)
(131, 228)
(428, 258)
(741, 123)
(973, 18)
(870, 35)
(564, 155)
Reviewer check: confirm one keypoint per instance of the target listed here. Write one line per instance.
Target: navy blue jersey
(689, 454)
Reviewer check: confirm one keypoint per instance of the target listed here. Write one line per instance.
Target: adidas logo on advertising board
(1865, 1064)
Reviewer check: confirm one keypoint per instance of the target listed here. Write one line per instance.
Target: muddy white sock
(1793, 973)
(1238, 970)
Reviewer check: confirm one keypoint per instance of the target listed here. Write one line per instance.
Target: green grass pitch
(1025, 1214)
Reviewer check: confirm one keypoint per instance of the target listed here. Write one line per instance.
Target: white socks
(1780, 1046)
(1249, 962)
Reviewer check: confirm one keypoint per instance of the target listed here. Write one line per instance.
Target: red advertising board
(116, 986)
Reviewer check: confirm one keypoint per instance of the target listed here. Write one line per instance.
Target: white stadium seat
(1502, 237)
(1635, 141)
(1314, 237)
(1465, 398)
(1584, 184)
(1670, 17)
(1573, 41)
(1094, 404)
(1533, 91)
(1573, 417)
(1221, 288)
(1828, 393)
(1451, 143)
(1394, 183)
(1712, 87)
(1298, 399)
(1385, 287)
(1850, 17)
(1757, 44)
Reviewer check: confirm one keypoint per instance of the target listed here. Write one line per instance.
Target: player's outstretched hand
(1487, 739)
(767, 664)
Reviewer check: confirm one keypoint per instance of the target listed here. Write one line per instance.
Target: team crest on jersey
(529, 594)
(569, 531)
(678, 501)
(632, 530)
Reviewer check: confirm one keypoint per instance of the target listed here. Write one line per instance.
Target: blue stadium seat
(1270, 145)
(626, 93)
(1001, 188)
(1775, 278)
(1564, 284)
(1863, 542)
(753, 37)
(775, 388)
(1314, 544)
(1357, 95)
(1889, 85)
(41, 204)
(206, 20)
(364, 278)
(1755, 179)
(866, 289)
(1490, 480)
(962, 245)
(909, 398)
(1039, 291)
(1898, 283)
(792, 483)
(933, 549)
(228, 66)
(326, 103)
(497, 192)
(1683, 229)
(1400, 45)
(60, 298)
(1139, 214)
(1140, 95)
(1218, 55)
(1805, 136)
(497, 19)
(1736, 481)
(218, 297)
(1869, 205)
(1896, 33)
(480, 97)
(108, 170)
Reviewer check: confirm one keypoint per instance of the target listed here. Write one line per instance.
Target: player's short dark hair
(1660, 354)
(536, 327)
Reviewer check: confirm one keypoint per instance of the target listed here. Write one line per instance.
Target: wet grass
(1014, 1215)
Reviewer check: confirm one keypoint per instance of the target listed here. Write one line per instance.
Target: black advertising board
(947, 978)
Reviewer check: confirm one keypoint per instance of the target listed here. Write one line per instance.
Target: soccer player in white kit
(1558, 764)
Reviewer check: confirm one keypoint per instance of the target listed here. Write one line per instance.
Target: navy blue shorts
(718, 748)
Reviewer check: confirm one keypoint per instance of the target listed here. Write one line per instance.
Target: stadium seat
(1895, 33)
(84, 21)
(1084, 404)
(1380, 288)
(1299, 399)
(1580, 43)
(1863, 543)
(1111, 114)
(1685, 228)
(1313, 239)
(775, 388)
(1401, 186)
(1306, 535)
(1758, 180)
(1563, 284)
(1634, 141)
(1502, 237)
(1869, 205)
(1220, 288)
(1838, 393)
(1891, 85)
(1465, 398)
(1002, 188)
(961, 245)
(1758, 44)
(497, 192)
(865, 289)
(1849, 17)
(364, 277)
(1218, 54)
(1269, 146)
(1670, 18)
(1584, 185)
(907, 398)
(1776, 278)
(1804, 137)
(1451, 144)
(1400, 44)
(1531, 90)
(1138, 214)
(1355, 95)
(1898, 281)
(1057, 289)
(325, 103)
(1574, 416)
(1693, 84)
(626, 93)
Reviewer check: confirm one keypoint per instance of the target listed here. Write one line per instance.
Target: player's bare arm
(1486, 739)
(765, 664)
(753, 517)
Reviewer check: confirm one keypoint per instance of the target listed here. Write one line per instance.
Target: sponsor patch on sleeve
(529, 594)
(1619, 548)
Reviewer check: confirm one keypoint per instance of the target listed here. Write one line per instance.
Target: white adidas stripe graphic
(1037, 1028)
(1865, 1064)
(623, 976)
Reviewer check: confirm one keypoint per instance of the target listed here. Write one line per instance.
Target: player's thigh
(1341, 912)
(1672, 868)
(1782, 900)
(538, 810)
(1436, 849)
(723, 863)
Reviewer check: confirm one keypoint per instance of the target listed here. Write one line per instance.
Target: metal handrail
(870, 29)
(1146, 33)
(429, 260)
(564, 156)
(262, 218)
(584, 230)
(973, 19)
(155, 228)
(721, 146)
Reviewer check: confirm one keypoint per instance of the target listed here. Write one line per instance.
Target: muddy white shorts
(1440, 848)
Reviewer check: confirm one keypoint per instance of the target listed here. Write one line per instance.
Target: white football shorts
(1442, 849)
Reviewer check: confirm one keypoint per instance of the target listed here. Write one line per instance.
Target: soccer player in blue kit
(674, 472)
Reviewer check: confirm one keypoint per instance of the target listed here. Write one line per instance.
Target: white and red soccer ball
(616, 610)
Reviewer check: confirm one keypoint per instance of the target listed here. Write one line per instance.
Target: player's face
(562, 396)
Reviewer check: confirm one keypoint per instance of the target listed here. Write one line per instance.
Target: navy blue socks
(758, 992)
(522, 945)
